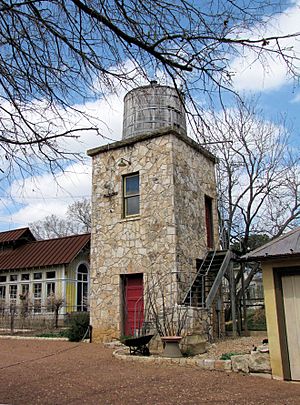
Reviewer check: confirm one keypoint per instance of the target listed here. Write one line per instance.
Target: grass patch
(54, 334)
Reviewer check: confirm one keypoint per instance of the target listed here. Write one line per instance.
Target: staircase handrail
(218, 279)
(189, 291)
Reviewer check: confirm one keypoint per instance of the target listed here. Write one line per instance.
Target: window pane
(25, 289)
(14, 277)
(133, 205)
(132, 185)
(13, 292)
(2, 279)
(37, 276)
(50, 289)
(2, 292)
(25, 276)
(37, 290)
(50, 274)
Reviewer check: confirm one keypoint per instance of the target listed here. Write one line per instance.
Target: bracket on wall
(109, 195)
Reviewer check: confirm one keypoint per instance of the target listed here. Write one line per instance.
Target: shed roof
(43, 252)
(286, 245)
(15, 234)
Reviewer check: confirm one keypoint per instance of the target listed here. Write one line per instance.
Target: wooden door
(291, 299)
(209, 222)
(134, 304)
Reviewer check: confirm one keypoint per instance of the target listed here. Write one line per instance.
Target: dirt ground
(49, 372)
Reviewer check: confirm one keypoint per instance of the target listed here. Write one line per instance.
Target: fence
(31, 319)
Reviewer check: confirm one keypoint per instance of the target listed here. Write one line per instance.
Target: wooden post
(244, 300)
(232, 299)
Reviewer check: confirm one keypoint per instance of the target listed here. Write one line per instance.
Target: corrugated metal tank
(150, 108)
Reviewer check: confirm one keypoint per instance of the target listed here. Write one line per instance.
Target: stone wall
(194, 178)
(163, 240)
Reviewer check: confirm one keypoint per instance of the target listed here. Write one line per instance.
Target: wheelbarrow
(138, 345)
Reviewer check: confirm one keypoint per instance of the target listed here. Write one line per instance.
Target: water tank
(150, 108)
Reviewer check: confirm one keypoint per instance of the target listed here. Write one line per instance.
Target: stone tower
(153, 210)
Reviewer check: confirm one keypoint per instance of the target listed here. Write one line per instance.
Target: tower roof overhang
(168, 131)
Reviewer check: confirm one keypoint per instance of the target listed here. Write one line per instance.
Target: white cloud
(40, 196)
(270, 72)
(35, 197)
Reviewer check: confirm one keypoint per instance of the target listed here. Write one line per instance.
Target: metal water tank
(150, 108)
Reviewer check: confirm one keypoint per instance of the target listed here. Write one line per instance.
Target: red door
(134, 304)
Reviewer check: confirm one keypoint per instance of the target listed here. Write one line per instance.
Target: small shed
(280, 262)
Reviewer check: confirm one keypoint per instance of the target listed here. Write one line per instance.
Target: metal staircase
(210, 271)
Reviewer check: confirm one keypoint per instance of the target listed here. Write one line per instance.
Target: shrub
(78, 326)
(51, 334)
(227, 356)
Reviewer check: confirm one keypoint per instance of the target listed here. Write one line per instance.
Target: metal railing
(31, 318)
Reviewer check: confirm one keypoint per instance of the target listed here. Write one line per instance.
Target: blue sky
(26, 201)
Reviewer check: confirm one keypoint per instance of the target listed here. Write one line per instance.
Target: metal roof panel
(43, 252)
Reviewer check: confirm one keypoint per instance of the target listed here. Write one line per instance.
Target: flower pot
(171, 346)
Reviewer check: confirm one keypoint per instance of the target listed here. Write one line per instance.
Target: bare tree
(80, 213)
(258, 177)
(258, 174)
(78, 220)
(58, 54)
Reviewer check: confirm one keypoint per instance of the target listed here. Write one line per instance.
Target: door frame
(123, 303)
(278, 273)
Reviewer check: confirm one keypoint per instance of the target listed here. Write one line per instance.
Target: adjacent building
(37, 270)
(280, 262)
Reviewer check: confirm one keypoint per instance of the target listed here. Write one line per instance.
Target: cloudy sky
(36, 197)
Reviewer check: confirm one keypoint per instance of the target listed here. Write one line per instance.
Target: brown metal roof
(286, 245)
(15, 234)
(43, 252)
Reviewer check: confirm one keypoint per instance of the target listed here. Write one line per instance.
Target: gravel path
(48, 372)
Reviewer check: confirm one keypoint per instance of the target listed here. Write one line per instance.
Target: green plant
(56, 334)
(78, 326)
(227, 356)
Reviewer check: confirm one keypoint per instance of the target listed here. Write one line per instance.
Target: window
(13, 289)
(25, 289)
(82, 288)
(37, 296)
(2, 298)
(50, 274)
(131, 195)
(2, 292)
(50, 289)
(25, 277)
(13, 277)
(37, 276)
(2, 279)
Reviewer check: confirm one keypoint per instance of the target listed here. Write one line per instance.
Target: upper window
(131, 194)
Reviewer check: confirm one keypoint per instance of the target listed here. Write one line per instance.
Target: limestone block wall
(134, 245)
(167, 236)
(194, 178)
